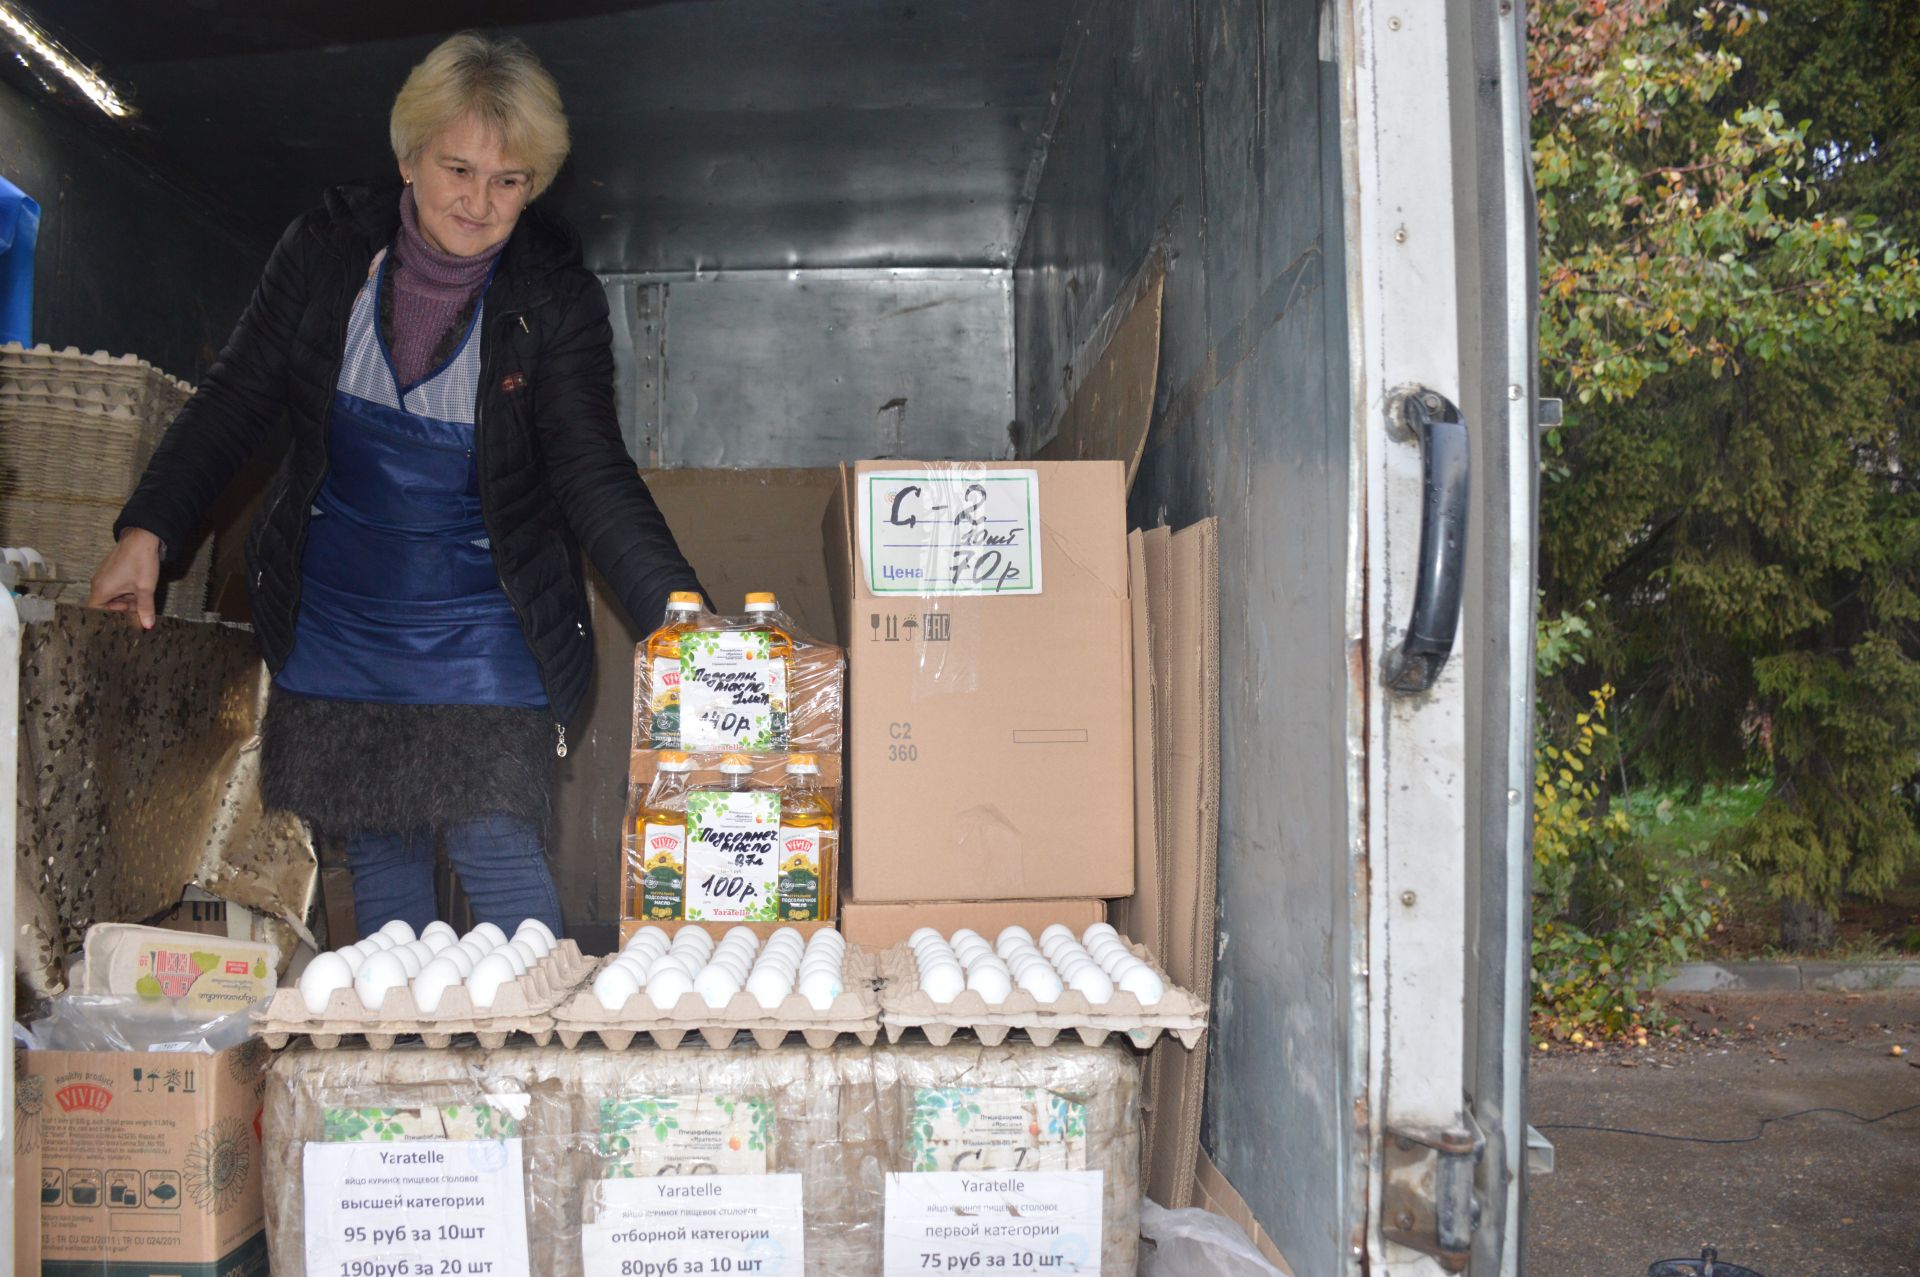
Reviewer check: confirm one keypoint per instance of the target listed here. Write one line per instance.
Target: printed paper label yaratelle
(733, 867)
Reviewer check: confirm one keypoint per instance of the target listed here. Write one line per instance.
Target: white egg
(1014, 932)
(437, 940)
(378, 941)
(535, 943)
(460, 957)
(739, 953)
(353, 955)
(988, 960)
(819, 962)
(695, 935)
(1054, 946)
(935, 949)
(1042, 983)
(1120, 966)
(648, 949)
(787, 935)
(529, 951)
(614, 986)
(732, 963)
(970, 950)
(634, 963)
(1015, 947)
(820, 988)
(923, 934)
(432, 983)
(1023, 964)
(1056, 931)
(716, 985)
(409, 960)
(770, 986)
(400, 930)
(828, 936)
(474, 949)
(1143, 984)
(1093, 982)
(378, 976)
(325, 974)
(1098, 929)
(791, 948)
(942, 983)
(439, 928)
(491, 974)
(1073, 962)
(494, 936)
(542, 929)
(1100, 946)
(648, 934)
(514, 958)
(671, 962)
(990, 983)
(667, 985)
(743, 932)
(967, 933)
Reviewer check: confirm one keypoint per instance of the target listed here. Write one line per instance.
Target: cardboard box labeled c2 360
(985, 611)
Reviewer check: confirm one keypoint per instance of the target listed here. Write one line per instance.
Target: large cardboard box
(881, 926)
(989, 735)
(150, 1162)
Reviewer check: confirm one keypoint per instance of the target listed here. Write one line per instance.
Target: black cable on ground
(1758, 1131)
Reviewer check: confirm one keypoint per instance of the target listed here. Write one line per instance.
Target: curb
(1792, 977)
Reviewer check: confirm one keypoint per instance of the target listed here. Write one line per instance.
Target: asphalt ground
(1819, 1195)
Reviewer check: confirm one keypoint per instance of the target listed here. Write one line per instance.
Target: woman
(444, 359)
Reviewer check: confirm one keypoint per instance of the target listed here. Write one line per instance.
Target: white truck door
(1440, 218)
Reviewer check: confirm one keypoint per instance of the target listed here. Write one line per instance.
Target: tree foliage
(1731, 491)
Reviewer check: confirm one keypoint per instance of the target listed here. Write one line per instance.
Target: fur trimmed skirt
(357, 767)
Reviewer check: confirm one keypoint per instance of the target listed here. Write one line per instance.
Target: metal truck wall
(807, 368)
(126, 262)
(1213, 129)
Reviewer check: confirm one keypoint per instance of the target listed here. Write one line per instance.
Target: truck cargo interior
(1150, 231)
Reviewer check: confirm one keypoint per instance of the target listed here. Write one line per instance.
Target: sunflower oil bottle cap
(685, 601)
(672, 760)
(736, 764)
(762, 602)
(803, 764)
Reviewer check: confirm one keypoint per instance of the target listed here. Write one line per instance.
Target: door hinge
(1427, 1199)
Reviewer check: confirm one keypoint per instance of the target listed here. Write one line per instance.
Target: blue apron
(401, 602)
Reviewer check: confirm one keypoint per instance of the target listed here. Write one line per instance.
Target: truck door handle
(1446, 473)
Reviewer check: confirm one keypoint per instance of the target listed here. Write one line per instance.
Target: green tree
(1729, 488)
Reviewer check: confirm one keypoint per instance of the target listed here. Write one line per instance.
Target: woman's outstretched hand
(126, 581)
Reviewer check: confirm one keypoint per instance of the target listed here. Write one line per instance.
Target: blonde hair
(499, 82)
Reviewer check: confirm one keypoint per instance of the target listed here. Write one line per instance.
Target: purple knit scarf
(431, 290)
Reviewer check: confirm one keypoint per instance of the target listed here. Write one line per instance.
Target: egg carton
(856, 1011)
(524, 1006)
(905, 1005)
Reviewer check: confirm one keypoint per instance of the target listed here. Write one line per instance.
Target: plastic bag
(103, 1022)
(1196, 1243)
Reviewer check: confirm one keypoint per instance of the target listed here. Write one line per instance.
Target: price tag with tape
(951, 531)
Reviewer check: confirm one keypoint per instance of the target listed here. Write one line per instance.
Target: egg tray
(856, 1011)
(904, 1005)
(524, 1006)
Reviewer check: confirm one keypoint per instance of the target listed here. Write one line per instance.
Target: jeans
(500, 860)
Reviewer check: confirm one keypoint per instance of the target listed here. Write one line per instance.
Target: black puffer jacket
(554, 475)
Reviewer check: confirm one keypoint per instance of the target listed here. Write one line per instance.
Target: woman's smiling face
(467, 191)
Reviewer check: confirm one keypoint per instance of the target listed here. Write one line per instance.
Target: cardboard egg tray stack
(905, 1005)
(76, 431)
(855, 1012)
(524, 1006)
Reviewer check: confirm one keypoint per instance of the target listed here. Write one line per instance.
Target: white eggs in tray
(1094, 964)
(429, 964)
(691, 960)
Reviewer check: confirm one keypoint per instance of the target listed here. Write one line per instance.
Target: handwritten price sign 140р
(994, 1222)
(423, 1208)
(951, 531)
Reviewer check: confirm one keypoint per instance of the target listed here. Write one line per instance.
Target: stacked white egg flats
(667, 970)
(1060, 961)
(484, 960)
